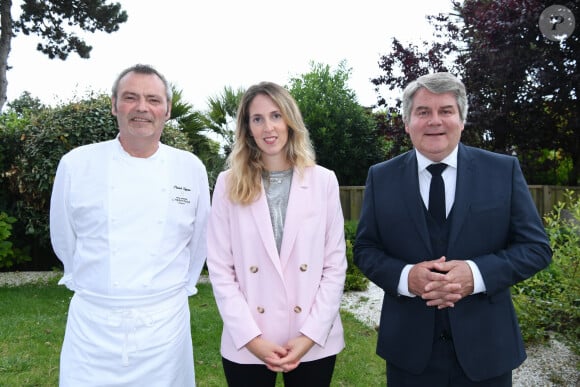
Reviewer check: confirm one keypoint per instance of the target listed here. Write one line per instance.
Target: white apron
(136, 341)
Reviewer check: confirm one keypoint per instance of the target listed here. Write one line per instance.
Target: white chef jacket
(131, 235)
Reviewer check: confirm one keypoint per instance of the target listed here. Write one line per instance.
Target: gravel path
(547, 366)
(16, 278)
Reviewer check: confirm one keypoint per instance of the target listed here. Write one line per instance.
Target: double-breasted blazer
(279, 295)
(494, 223)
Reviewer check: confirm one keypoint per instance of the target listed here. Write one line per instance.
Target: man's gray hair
(143, 69)
(437, 83)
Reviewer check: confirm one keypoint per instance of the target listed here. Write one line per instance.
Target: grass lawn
(33, 319)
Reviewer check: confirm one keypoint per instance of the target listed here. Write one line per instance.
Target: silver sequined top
(277, 187)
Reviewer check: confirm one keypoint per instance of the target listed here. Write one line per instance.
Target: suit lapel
(261, 216)
(296, 211)
(466, 177)
(412, 197)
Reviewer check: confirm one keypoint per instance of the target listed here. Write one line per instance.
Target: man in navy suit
(447, 317)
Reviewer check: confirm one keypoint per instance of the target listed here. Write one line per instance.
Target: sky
(203, 46)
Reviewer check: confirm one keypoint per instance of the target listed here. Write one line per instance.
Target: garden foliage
(9, 254)
(355, 279)
(549, 302)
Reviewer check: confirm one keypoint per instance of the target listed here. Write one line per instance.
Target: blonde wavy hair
(245, 160)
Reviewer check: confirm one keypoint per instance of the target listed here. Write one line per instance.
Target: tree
(523, 88)
(56, 23)
(25, 104)
(343, 133)
(221, 116)
(390, 127)
(194, 124)
(527, 99)
(210, 132)
(41, 137)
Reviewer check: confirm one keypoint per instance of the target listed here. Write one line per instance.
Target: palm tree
(221, 116)
(193, 124)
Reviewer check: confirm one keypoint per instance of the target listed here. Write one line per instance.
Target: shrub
(550, 301)
(9, 255)
(11, 127)
(51, 133)
(355, 279)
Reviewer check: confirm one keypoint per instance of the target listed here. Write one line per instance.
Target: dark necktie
(437, 192)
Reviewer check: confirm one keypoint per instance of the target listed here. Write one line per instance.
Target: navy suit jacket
(495, 224)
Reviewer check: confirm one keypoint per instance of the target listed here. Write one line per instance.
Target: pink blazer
(279, 296)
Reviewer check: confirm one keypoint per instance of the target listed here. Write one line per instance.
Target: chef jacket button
(297, 309)
(253, 269)
(260, 309)
(303, 267)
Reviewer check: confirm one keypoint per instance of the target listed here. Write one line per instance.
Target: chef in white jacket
(128, 221)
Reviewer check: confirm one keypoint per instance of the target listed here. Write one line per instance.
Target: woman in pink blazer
(276, 249)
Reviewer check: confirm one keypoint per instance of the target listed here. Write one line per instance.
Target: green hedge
(355, 280)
